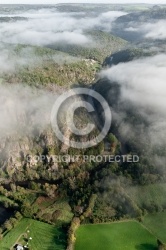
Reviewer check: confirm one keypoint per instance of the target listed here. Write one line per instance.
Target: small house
(18, 247)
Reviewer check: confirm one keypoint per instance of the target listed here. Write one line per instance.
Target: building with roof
(18, 247)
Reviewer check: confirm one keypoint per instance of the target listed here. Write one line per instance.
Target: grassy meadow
(129, 235)
(44, 236)
(156, 223)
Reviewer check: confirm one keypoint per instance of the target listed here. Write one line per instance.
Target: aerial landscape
(83, 126)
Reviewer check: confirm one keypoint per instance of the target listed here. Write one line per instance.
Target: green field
(44, 236)
(116, 236)
(148, 194)
(156, 223)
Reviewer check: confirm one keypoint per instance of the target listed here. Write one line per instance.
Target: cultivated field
(156, 223)
(116, 236)
(44, 236)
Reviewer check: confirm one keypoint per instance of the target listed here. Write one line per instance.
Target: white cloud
(81, 1)
(142, 83)
(45, 27)
(22, 108)
(156, 30)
